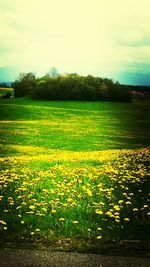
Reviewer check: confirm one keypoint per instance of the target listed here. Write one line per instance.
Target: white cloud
(85, 36)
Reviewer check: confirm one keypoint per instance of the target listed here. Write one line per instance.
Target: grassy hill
(74, 172)
(76, 125)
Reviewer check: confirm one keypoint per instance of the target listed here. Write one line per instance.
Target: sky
(105, 38)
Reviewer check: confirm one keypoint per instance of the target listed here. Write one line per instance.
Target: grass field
(74, 172)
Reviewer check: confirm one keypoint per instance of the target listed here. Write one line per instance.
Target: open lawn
(74, 172)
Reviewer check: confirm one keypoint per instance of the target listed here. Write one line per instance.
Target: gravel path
(38, 258)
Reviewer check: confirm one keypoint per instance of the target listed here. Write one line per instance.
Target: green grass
(75, 126)
(74, 172)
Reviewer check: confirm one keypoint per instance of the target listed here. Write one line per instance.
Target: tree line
(70, 87)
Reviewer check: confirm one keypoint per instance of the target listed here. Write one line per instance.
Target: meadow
(74, 173)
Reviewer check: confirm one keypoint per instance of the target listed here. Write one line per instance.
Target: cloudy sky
(106, 38)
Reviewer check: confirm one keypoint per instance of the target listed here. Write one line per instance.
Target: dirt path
(30, 258)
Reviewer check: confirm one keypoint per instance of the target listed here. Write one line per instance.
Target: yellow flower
(126, 219)
(99, 237)
(44, 209)
(5, 211)
(89, 192)
(65, 204)
(128, 203)
(135, 209)
(75, 222)
(30, 212)
(109, 213)
(53, 211)
(61, 219)
(19, 207)
(120, 201)
(99, 212)
(69, 199)
(99, 228)
(31, 207)
(46, 191)
(116, 207)
(22, 222)
(2, 222)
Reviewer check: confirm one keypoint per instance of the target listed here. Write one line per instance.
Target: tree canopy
(70, 87)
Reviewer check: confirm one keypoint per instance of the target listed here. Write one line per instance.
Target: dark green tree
(25, 84)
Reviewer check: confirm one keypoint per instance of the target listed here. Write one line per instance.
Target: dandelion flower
(116, 207)
(44, 209)
(99, 237)
(61, 219)
(120, 201)
(126, 219)
(6, 211)
(69, 199)
(31, 207)
(53, 211)
(99, 212)
(109, 213)
(128, 203)
(2, 222)
(19, 207)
